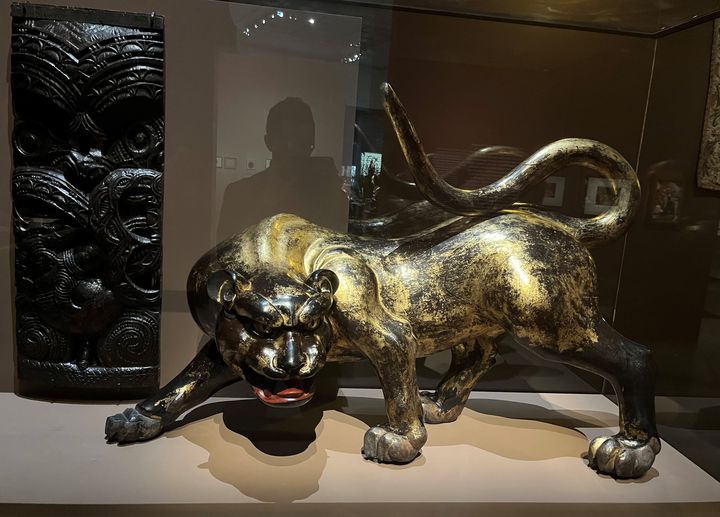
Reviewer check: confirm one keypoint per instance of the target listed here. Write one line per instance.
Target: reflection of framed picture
(665, 201)
(599, 195)
(370, 164)
(554, 191)
(229, 163)
(218, 162)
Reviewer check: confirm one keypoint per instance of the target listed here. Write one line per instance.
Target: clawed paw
(131, 426)
(385, 446)
(433, 413)
(621, 457)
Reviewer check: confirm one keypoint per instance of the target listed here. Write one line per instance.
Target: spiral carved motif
(131, 342)
(38, 341)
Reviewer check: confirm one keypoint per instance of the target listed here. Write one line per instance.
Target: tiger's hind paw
(622, 457)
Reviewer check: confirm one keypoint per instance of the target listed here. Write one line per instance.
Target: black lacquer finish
(88, 141)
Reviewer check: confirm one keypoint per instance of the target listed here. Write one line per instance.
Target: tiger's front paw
(131, 426)
(385, 446)
(621, 457)
(434, 413)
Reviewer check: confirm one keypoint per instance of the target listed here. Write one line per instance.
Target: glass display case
(275, 106)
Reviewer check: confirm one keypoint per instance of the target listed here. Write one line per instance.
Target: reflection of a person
(368, 183)
(294, 182)
(667, 201)
(372, 169)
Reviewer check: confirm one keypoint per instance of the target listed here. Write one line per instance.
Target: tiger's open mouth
(280, 393)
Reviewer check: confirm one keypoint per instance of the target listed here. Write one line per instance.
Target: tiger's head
(274, 330)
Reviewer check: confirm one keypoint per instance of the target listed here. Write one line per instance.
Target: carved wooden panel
(88, 142)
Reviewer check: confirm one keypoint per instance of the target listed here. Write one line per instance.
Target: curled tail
(504, 193)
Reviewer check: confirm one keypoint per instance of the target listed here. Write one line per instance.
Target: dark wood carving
(88, 143)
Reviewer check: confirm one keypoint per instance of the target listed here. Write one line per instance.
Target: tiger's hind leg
(468, 364)
(627, 366)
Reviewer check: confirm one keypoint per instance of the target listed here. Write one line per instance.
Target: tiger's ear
(324, 281)
(221, 286)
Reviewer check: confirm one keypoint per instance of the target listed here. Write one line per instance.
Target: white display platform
(505, 448)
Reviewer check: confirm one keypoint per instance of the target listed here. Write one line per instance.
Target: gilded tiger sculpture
(284, 297)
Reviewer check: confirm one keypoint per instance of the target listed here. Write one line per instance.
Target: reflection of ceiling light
(279, 16)
(353, 58)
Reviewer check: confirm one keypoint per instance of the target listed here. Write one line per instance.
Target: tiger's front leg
(391, 347)
(205, 375)
(400, 439)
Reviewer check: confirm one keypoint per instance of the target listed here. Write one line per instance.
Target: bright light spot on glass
(263, 22)
(353, 58)
(280, 14)
(311, 21)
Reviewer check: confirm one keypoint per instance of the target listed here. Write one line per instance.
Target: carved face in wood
(88, 99)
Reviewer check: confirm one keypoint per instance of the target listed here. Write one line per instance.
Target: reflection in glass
(286, 97)
(295, 182)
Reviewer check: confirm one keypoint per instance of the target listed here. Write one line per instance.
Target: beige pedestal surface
(507, 450)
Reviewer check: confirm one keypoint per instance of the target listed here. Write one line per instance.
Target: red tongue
(284, 397)
(290, 392)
